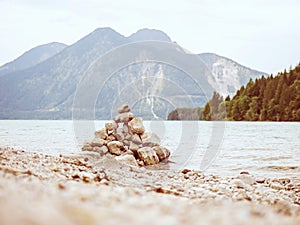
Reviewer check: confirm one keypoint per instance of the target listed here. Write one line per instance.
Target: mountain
(32, 57)
(152, 87)
(149, 34)
(47, 89)
(227, 75)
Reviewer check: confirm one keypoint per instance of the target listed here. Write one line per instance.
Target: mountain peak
(100, 41)
(102, 33)
(149, 35)
(104, 30)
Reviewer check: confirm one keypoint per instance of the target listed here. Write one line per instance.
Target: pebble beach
(85, 188)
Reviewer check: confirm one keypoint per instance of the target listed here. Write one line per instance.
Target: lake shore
(84, 188)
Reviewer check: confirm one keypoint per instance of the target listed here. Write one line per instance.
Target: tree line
(275, 98)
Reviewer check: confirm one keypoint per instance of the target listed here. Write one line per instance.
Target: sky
(260, 34)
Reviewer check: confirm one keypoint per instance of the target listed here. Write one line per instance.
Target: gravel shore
(84, 188)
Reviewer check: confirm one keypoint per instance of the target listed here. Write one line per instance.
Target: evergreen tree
(276, 98)
(206, 112)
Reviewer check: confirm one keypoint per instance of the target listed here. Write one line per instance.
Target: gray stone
(129, 152)
(140, 162)
(133, 146)
(101, 150)
(148, 156)
(115, 147)
(125, 128)
(111, 138)
(136, 139)
(125, 142)
(247, 179)
(104, 149)
(87, 147)
(276, 186)
(150, 139)
(127, 159)
(124, 117)
(98, 142)
(124, 108)
(101, 134)
(162, 152)
(119, 130)
(119, 135)
(136, 126)
(239, 183)
(111, 126)
(128, 136)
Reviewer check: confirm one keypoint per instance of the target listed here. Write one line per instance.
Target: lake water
(267, 149)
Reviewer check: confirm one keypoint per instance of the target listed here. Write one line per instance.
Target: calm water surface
(262, 148)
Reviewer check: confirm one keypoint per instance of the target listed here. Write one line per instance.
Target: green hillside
(266, 99)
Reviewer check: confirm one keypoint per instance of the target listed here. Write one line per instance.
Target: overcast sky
(260, 34)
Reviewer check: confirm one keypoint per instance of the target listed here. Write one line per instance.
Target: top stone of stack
(124, 109)
(124, 114)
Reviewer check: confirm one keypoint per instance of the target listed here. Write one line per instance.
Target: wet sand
(85, 188)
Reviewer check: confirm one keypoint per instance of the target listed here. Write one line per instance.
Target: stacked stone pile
(126, 140)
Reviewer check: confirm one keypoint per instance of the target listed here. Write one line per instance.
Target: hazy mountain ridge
(149, 34)
(52, 82)
(32, 57)
(227, 75)
(47, 89)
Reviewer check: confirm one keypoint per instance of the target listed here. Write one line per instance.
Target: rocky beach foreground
(86, 188)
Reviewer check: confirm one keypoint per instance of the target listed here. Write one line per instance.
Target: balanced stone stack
(125, 139)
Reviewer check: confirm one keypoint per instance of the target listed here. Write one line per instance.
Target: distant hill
(265, 99)
(149, 34)
(32, 57)
(186, 114)
(45, 89)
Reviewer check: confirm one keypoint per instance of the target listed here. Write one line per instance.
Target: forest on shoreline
(275, 98)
